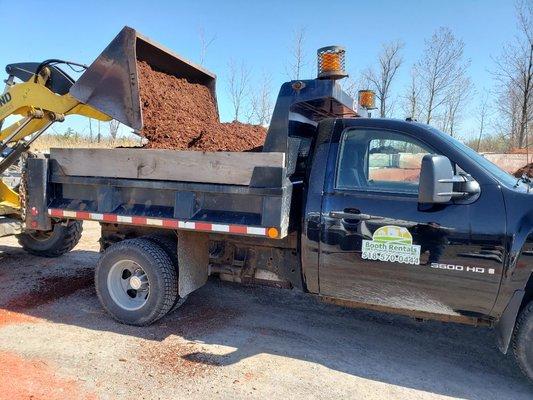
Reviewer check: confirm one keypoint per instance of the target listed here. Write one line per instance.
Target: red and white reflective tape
(159, 222)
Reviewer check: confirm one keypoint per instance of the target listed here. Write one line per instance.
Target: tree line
(439, 88)
(438, 91)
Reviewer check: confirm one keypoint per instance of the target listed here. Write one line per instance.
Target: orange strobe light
(367, 99)
(331, 62)
(272, 233)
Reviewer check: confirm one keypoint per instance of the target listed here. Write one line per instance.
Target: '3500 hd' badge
(393, 244)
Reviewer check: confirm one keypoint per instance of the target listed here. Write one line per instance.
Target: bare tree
(412, 100)
(514, 73)
(458, 95)
(482, 116)
(90, 130)
(237, 86)
(298, 60)
(350, 86)
(261, 102)
(440, 67)
(381, 78)
(113, 128)
(205, 42)
(508, 108)
(353, 85)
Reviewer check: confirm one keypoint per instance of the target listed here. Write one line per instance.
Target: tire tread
(525, 316)
(169, 244)
(71, 238)
(165, 268)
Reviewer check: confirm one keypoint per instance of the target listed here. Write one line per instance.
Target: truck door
(379, 246)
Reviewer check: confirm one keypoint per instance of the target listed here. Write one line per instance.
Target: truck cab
(373, 238)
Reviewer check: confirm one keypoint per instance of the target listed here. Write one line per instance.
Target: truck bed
(232, 193)
(235, 168)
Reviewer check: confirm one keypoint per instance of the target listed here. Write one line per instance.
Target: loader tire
(523, 340)
(170, 245)
(136, 282)
(60, 240)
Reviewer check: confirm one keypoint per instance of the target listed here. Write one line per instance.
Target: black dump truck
(382, 214)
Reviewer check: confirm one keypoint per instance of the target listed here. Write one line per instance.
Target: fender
(517, 280)
(505, 325)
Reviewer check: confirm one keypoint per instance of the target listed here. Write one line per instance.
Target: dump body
(238, 193)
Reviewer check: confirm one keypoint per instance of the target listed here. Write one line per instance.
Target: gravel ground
(227, 341)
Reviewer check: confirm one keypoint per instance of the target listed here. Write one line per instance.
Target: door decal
(392, 244)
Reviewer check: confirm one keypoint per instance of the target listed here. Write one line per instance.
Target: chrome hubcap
(128, 285)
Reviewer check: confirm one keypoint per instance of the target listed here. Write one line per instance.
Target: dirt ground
(227, 341)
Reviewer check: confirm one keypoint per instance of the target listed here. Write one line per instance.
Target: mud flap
(37, 195)
(193, 260)
(505, 325)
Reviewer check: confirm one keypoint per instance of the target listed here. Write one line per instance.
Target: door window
(379, 160)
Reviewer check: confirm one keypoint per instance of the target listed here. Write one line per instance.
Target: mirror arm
(455, 195)
(455, 179)
(466, 187)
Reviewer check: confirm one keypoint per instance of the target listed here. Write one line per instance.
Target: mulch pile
(520, 150)
(181, 115)
(526, 169)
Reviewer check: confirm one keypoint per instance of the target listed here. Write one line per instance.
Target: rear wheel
(136, 282)
(523, 340)
(170, 245)
(60, 240)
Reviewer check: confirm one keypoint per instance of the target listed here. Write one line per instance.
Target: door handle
(349, 215)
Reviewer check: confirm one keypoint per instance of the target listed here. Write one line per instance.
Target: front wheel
(136, 282)
(60, 240)
(523, 340)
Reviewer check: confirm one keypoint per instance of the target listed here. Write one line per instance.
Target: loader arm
(27, 97)
(38, 108)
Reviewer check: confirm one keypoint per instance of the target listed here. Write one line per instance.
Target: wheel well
(528, 293)
(114, 233)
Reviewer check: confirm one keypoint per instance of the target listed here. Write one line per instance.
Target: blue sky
(259, 33)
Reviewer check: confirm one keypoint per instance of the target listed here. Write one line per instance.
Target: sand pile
(181, 115)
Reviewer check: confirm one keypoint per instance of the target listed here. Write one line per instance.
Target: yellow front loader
(38, 102)
(38, 95)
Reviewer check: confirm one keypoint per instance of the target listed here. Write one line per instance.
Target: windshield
(498, 173)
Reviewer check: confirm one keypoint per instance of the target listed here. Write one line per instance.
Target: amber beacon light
(331, 62)
(367, 99)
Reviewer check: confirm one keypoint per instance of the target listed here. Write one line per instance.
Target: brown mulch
(519, 150)
(181, 115)
(526, 169)
(50, 289)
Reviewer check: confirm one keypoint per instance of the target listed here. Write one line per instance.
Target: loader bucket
(111, 83)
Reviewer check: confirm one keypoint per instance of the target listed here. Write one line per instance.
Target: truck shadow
(445, 359)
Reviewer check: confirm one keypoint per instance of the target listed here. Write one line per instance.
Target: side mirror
(436, 180)
(438, 184)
